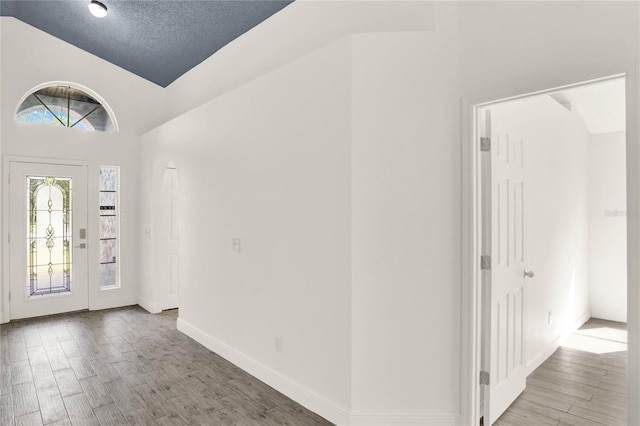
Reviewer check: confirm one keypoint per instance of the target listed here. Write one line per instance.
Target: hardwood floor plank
(532, 417)
(58, 359)
(140, 417)
(43, 376)
(95, 392)
(577, 390)
(6, 410)
(597, 417)
(5, 379)
(545, 400)
(552, 413)
(25, 400)
(79, 411)
(574, 387)
(607, 408)
(81, 367)
(67, 382)
(110, 415)
(33, 419)
(104, 370)
(20, 372)
(154, 402)
(52, 408)
(37, 355)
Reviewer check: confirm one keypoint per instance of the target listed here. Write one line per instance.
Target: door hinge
(485, 144)
(485, 262)
(484, 377)
(9, 296)
(8, 238)
(8, 178)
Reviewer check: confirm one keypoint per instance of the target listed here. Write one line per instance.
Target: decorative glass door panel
(48, 239)
(49, 235)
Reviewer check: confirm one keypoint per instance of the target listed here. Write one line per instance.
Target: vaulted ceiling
(158, 40)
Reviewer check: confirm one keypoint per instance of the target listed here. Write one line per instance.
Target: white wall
(608, 226)
(556, 153)
(406, 237)
(269, 163)
(31, 57)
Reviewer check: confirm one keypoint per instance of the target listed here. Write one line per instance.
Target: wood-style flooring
(582, 383)
(127, 367)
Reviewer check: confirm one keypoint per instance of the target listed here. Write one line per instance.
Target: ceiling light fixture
(97, 9)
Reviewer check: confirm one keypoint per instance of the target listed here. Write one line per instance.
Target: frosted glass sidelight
(108, 178)
(108, 275)
(108, 251)
(108, 226)
(109, 223)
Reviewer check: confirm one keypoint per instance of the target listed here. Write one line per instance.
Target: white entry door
(169, 237)
(504, 281)
(48, 239)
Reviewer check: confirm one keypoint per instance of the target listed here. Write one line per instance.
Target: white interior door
(48, 239)
(169, 238)
(504, 281)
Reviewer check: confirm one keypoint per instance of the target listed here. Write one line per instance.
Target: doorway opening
(554, 244)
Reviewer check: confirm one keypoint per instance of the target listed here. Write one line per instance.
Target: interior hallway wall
(268, 163)
(608, 226)
(406, 235)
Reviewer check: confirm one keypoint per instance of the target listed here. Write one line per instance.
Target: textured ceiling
(156, 39)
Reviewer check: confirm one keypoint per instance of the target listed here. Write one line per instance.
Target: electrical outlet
(550, 320)
(236, 244)
(278, 343)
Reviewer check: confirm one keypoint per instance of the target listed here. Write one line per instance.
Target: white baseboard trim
(323, 407)
(3, 320)
(151, 307)
(116, 302)
(549, 350)
(362, 419)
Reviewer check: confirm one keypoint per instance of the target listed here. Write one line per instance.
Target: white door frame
(471, 303)
(5, 306)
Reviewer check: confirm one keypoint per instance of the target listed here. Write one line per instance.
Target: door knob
(528, 274)
(82, 245)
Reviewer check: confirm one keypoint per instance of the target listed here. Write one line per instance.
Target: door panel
(504, 191)
(169, 240)
(47, 250)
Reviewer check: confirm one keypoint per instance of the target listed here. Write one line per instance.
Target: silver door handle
(82, 245)
(528, 274)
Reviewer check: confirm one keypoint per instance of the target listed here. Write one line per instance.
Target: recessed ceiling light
(97, 9)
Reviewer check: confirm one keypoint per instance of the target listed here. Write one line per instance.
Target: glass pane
(108, 226)
(69, 105)
(49, 235)
(108, 178)
(107, 251)
(108, 274)
(107, 202)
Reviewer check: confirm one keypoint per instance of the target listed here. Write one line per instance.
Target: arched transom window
(65, 106)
